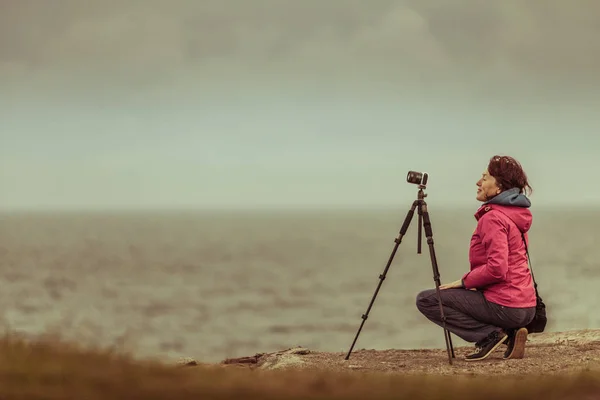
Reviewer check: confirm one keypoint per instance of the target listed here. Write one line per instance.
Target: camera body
(417, 178)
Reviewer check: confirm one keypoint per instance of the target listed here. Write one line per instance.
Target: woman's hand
(453, 285)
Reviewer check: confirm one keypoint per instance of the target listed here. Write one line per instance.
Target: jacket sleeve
(494, 237)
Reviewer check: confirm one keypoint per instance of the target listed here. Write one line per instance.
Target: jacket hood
(513, 204)
(511, 197)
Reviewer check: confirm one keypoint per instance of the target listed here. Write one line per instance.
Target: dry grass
(52, 369)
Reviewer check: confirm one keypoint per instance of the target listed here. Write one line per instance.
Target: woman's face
(487, 187)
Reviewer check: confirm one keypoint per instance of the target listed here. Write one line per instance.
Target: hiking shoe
(516, 344)
(485, 347)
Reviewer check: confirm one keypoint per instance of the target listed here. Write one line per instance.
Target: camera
(417, 178)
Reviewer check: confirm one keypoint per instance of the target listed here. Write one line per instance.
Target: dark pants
(469, 315)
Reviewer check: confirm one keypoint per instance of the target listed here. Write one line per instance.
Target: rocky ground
(546, 353)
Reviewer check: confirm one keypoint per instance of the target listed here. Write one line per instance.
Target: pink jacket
(499, 266)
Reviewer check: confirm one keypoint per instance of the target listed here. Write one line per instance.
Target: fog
(275, 103)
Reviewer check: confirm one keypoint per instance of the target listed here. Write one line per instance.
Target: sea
(230, 283)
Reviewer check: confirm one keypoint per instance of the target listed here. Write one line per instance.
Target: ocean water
(213, 285)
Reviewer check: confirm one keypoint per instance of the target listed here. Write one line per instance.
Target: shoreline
(545, 353)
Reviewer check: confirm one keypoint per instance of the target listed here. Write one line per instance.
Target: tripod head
(419, 179)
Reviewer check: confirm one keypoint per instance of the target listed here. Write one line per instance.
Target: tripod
(424, 222)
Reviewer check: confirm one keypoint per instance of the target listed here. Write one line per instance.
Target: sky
(275, 103)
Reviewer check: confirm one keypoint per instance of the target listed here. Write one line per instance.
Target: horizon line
(263, 208)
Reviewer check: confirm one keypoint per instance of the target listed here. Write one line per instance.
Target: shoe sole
(518, 350)
(504, 339)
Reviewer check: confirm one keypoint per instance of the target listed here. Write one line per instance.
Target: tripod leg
(397, 240)
(420, 232)
(436, 277)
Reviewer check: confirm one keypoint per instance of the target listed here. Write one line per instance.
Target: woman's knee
(426, 299)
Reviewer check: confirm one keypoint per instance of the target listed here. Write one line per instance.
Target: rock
(243, 360)
(296, 350)
(186, 362)
(278, 360)
(283, 359)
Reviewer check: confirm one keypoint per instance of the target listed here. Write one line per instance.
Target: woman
(495, 300)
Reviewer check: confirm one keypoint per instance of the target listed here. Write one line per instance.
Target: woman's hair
(508, 174)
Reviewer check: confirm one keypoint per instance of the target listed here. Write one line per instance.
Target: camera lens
(417, 178)
(414, 177)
